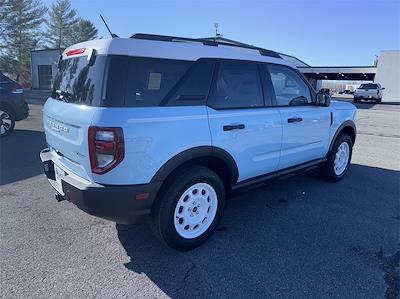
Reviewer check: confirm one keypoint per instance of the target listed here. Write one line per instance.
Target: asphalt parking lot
(301, 237)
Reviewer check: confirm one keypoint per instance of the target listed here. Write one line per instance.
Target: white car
(165, 128)
(368, 91)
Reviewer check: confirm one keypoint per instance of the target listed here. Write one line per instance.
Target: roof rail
(206, 42)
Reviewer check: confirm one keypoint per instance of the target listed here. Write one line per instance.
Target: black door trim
(280, 174)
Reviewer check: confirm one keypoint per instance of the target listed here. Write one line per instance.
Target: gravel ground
(301, 237)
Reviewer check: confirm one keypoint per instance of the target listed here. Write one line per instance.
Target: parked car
(166, 128)
(12, 104)
(348, 91)
(368, 91)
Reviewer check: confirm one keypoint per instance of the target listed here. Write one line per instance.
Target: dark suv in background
(12, 104)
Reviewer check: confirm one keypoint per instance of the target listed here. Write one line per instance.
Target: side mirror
(383, 88)
(323, 99)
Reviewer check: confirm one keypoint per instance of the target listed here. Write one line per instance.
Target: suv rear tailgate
(66, 128)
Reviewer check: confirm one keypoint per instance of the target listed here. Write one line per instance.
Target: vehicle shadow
(367, 104)
(302, 237)
(19, 155)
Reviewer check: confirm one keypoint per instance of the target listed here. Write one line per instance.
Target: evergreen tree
(20, 22)
(61, 23)
(83, 30)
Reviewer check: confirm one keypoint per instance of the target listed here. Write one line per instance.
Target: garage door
(45, 76)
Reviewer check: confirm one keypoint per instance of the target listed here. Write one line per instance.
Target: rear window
(142, 82)
(4, 78)
(78, 82)
(368, 86)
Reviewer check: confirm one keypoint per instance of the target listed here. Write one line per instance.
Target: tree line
(28, 24)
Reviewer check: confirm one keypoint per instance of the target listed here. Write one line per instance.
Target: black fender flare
(347, 123)
(196, 153)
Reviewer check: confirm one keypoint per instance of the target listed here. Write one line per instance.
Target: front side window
(290, 89)
(237, 86)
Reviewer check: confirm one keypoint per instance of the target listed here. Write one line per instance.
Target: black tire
(6, 114)
(163, 213)
(328, 170)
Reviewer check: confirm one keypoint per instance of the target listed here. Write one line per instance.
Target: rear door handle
(234, 127)
(294, 120)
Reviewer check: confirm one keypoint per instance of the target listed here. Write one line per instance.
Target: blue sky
(335, 32)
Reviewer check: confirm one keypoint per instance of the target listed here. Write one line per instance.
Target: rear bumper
(366, 97)
(112, 202)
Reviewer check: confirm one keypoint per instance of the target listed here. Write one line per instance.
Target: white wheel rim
(5, 122)
(341, 158)
(195, 210)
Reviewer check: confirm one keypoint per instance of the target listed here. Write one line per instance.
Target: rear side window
(194, 87)
(289, 87)
(237, 86)
(148, 80)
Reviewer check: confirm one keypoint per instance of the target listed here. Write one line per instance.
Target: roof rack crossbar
(207, 42)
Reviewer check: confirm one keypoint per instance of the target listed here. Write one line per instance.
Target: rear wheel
(189, 208)
(339, 158)
(7, 121)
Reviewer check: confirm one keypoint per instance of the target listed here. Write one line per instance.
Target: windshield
(77, 82)
(368, 86)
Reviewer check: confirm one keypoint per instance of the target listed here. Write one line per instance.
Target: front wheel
(189, 208)
(7, 121)
(339, 158)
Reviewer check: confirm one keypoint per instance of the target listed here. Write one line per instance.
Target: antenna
(113, 35)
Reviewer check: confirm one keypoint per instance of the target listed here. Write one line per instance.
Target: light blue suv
(165, 128)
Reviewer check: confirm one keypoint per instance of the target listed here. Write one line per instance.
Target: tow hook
(59, 197)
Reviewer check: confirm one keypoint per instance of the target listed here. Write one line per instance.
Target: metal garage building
(44, 67)
(388, 75)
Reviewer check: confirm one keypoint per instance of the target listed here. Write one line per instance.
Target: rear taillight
(106, 148)
(16, 88)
